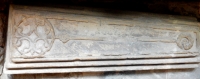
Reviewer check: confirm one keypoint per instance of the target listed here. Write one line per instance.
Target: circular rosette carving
(185, 41)
(33, 37)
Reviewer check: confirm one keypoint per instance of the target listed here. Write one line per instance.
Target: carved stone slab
(49, 40)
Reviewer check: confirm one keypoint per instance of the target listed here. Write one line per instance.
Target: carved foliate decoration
(63, 40)
(34, 36)
(185, 41)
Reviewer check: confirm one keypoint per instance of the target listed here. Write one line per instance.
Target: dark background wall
(178, 7)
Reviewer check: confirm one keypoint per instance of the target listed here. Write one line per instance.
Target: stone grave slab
(57, 40)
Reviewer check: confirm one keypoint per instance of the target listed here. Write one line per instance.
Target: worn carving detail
(33, 36)
(66, 38)
(69, 41)
(185, 41)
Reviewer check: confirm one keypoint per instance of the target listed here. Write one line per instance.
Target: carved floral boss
(34, 36)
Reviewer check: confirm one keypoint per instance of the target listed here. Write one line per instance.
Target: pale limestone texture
(86, 44)
(155, 74)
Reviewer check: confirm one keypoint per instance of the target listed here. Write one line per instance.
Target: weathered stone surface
(2, 30)
(156, 74)
(46, 40)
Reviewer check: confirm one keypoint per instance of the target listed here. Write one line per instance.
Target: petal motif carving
(33, 37)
